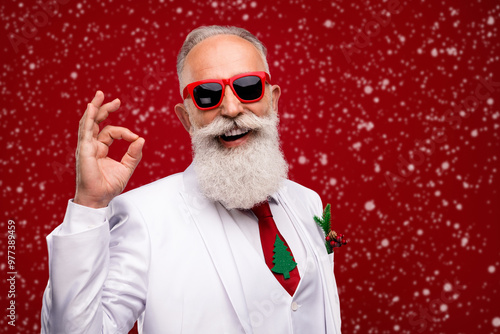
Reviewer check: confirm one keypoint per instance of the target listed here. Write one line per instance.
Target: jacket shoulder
(306, 194)
(306, 202)
(162, 188)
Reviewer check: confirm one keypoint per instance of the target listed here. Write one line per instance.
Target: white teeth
(235, 132)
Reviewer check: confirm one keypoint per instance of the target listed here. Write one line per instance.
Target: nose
(230, 106)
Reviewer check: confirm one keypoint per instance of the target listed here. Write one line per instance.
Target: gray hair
(200, 34)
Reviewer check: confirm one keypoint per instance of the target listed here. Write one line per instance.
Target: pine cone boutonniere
(332, 238)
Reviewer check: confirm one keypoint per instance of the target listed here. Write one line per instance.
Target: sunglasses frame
(264, 77)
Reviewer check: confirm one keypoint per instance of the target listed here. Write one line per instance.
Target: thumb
(134, 154)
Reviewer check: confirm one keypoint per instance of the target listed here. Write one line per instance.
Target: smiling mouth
(234, 134)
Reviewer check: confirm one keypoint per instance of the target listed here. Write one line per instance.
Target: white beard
(242, 176)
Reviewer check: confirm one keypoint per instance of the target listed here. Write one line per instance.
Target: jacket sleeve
(98, 276)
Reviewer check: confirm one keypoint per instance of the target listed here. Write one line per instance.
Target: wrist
(90, 202)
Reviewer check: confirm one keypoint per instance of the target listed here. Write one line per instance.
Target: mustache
(222, 124)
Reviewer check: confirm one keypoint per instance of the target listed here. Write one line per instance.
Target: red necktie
(278, 255)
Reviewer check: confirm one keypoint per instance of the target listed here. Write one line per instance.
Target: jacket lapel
(208, 221)
(324, 261)
(209, 224)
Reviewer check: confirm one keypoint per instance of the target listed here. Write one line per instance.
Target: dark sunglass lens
(248, 88)
(208, 94)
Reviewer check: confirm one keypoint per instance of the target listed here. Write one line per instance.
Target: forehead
(220, 57)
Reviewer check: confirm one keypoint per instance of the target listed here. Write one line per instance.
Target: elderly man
(227, 246)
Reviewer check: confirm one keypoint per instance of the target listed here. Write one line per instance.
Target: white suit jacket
(163, 254)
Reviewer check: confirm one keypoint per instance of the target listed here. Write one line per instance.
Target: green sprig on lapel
(325, 223)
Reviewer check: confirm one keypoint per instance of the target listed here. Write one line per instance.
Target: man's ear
(182, 114)
(275, 93)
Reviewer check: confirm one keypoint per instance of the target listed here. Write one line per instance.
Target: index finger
(109, 133)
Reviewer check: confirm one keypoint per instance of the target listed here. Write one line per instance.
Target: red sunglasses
(208, 94)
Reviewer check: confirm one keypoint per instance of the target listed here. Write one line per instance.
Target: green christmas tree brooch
(282, 259)
(332, 239)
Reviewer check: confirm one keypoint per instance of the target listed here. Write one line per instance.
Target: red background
(423, 255)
